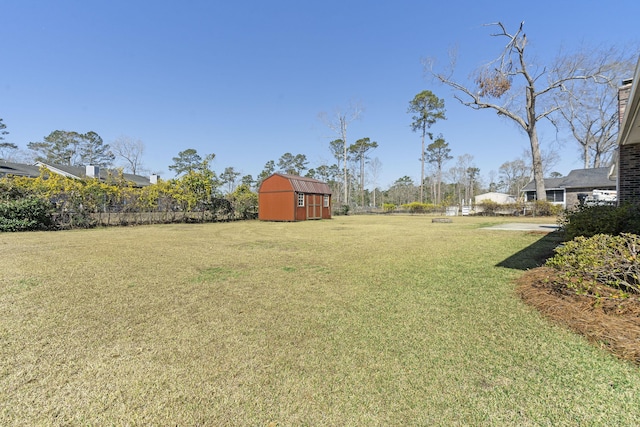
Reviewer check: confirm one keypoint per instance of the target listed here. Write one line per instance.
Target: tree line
(575, 92)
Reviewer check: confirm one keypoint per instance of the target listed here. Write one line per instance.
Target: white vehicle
(601, 197)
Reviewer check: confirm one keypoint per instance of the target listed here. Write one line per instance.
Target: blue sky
(246, 80)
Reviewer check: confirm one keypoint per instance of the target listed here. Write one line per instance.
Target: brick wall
(629, 173)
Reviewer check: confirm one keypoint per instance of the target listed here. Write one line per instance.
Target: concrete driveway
(523, 226)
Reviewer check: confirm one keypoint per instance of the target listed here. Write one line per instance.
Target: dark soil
(606, 320)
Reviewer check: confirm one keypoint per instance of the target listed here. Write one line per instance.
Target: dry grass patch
(353, 321)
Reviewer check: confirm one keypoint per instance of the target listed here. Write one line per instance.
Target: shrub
(26, 214)
(244, 202)
(603, 258)
(546, 208)
(342, 210)
(588, 221)
(417, 207)
(388, 207)
(489, 207)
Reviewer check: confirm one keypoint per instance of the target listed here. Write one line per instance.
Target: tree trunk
(586, 156)
(422, 174)
(538, 174)
(344, 159)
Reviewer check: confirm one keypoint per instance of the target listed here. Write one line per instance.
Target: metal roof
(303, 184)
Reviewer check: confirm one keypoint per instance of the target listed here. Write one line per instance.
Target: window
(300, 200)
(326, 201)
(555, 195)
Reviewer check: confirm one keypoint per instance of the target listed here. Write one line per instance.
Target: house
(567, 191)
(293, 198)
(495, 197)
(499, 198)
(75, 172)
(627, 168)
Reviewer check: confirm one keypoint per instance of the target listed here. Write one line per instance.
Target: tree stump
(441, 220)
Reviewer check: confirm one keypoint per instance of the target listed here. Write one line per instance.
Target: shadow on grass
(533, 255)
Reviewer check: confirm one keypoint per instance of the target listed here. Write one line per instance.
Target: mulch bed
(606, 320)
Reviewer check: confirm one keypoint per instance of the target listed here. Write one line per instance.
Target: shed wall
(276, 206)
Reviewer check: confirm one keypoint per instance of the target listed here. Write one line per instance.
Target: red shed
(293, 198)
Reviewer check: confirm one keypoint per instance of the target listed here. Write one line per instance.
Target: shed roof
(302, 184)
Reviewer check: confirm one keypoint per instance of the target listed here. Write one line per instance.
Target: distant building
(567, 191)
(76, 172)
(500, 198)
(293, 198)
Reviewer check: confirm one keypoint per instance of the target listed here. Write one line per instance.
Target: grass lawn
(360, 320)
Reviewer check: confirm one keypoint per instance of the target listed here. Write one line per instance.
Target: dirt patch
(606, 320)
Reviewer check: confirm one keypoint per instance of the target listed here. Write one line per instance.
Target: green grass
(385, 320)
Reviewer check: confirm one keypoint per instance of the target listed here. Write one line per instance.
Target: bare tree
(130, 151)
(6, 148)
(464, 176)
(339, 123)
(514, 175)
(495, 88)
(492, 180)
(550, 159)
(229, 178)
(376, 169)
(590, 110)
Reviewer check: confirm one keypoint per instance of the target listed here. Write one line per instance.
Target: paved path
(523, 226)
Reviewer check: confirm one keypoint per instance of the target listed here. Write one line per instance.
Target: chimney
(93, 171)
(624, 92)
(153, 179)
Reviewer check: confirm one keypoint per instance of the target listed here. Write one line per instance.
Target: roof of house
(594, 177)
(77, 172)
(18, 169)
(303, 184)
(577, 178)
(630, 128)
(549, 183)
(492, 194)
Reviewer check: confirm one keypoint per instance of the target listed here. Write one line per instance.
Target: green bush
(546, 208)
(26, 214)
(489, 207)
(588, 221)
(341, 210)
(417, 207)
(10, 191)
(388, 207)
(603, 258)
